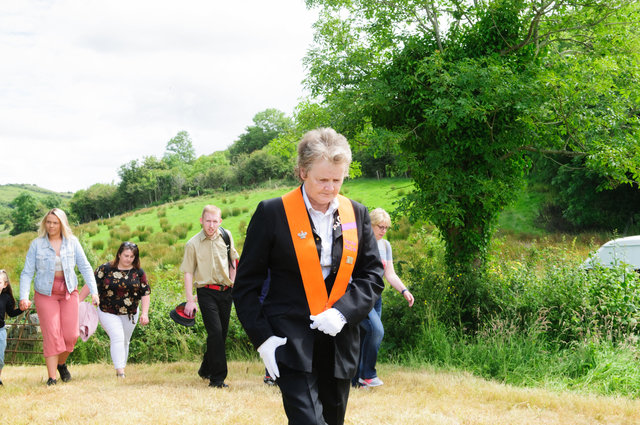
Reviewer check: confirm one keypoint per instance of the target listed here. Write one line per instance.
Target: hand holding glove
(330, 321)
(267, 352)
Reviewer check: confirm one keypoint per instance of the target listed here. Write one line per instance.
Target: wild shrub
(144, 236)
(235, 211)
(226, 212)
(419, 262)
(164, 224)
(181, 231)
(92, 229)
(113, 244)
(242, 227)
(98, 245)
(120, 234)
(400, 230)
(163, 239)
(162, 212)
(614, 294)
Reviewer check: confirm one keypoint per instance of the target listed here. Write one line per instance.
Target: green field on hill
(180, 218)
(9, 192)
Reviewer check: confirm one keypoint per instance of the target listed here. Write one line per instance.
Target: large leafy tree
(179, 150)
(267, 125)
(24, 214)
(98, 201)
(472, 89)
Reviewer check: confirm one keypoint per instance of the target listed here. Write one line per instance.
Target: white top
(58, 264)
(323, 224)
(384, 248)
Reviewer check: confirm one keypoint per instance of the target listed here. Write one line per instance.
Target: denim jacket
(41, 259)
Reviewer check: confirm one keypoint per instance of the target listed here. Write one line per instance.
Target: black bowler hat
(180, 317)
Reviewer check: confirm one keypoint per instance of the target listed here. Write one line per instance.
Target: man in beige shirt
(209, 264)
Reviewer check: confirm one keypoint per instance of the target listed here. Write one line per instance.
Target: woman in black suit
(325, 274)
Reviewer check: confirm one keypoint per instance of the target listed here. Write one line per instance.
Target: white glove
(267, 352)
(329, 321)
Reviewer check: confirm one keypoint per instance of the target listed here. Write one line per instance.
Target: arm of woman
(27, 276)
(83, 293)
(85, 269)
(87, 273)
(396, 283)
(145, 301)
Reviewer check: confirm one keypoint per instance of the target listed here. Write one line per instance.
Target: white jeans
(119, 328)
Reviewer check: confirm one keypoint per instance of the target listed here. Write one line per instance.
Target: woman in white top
(373, 331)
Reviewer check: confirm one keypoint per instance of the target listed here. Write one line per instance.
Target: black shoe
(51, 381)
(203, 375)
(269, 380)
(64, 372)
(218, 384)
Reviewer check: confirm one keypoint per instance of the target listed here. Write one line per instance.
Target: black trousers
(215, 307)
(315, 398)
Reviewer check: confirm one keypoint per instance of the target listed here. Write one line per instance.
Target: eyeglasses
(129, 244)
(381, 227)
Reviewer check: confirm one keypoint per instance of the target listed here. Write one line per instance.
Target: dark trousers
(315, 398)
(215, 307)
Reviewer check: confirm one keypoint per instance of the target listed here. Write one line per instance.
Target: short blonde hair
(212, 209)
(323, 143)
(65, 229)
(380, 216)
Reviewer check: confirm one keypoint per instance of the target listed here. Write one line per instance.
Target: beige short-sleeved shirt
(207, 259)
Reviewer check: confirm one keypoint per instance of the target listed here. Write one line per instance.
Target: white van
(616, 252)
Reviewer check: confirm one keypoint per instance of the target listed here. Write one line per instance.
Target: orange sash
(307, 253)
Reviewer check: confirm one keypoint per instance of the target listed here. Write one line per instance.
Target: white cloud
(89, 85)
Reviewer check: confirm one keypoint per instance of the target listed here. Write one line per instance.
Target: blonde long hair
(65, 229)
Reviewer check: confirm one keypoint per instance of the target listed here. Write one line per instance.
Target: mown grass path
(173, 394)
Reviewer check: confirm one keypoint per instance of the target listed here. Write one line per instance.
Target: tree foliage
(267, 125)
(179, 150)
(473, 89)
(25, 213)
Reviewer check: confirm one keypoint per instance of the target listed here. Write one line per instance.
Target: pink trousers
(58, 314)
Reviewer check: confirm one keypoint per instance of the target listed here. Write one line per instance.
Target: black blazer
(268, 249)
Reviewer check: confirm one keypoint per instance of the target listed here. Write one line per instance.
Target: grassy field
(173, 393)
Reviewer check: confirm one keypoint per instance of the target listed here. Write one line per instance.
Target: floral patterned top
(121, 290)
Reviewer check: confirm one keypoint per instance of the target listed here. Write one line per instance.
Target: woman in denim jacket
(52, 257)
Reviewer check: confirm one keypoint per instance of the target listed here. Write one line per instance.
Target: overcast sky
(88, 85)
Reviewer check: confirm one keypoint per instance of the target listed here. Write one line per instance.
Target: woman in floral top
(122, 284)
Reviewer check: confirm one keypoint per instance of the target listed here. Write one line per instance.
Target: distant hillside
(8, 192)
